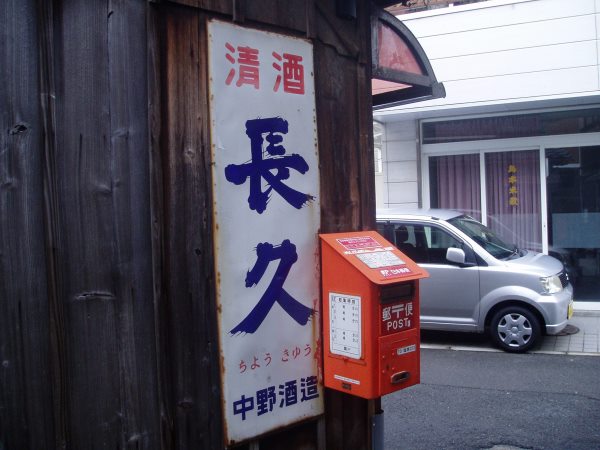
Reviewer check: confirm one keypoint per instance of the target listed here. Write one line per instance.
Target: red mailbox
(370, 315)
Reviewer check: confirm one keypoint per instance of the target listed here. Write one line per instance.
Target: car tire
(515, 329)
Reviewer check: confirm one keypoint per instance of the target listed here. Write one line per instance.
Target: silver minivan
(478, 283)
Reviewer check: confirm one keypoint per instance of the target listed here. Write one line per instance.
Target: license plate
(570, 310)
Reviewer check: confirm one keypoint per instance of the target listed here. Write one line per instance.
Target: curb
(462, 348)
(586, 308)
(586, 313)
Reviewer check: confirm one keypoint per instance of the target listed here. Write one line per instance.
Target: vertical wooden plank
(127, 72)
(338, 140)
(52, 229)
(98, 175)
(289, 15)
(156, 95)
(347, 190)
(187, 312)
(84, 232)
(302, 436)
(364, 112)
(25, 392)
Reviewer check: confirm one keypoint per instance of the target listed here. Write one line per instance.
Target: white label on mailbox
(345, 325)
(376, 260)
(407, 349)
(346, 379)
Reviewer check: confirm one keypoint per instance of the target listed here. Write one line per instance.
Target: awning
(401, 71)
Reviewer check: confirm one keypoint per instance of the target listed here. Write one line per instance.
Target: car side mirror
(456, 255)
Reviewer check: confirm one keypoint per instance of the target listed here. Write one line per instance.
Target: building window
(503, 189)
(455, 183)
(513, 126)
(573, 190)
(513, 197)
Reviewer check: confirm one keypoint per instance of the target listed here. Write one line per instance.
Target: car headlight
(551, 284)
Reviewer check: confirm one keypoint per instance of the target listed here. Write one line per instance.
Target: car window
(386, 229)
(403, 236)
(485, 237)
(438, 243)
(408, 238)
(424, 244)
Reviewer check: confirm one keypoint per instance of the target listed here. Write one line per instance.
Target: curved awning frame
(411, 87)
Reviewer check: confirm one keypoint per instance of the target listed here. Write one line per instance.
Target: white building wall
(504, 51)
(400, 166)
(499, 53)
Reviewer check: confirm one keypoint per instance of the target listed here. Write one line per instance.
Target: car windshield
(484, 237)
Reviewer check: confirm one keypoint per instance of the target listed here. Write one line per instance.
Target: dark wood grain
(108, 330)
(188, 308)
(26, 413)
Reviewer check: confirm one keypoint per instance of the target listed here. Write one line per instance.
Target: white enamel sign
(266, 210)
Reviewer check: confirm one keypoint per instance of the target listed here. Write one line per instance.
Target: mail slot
(370, 315)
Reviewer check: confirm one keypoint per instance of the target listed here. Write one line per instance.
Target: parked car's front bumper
(557, 308)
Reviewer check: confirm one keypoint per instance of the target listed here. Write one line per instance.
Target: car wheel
(515, 329)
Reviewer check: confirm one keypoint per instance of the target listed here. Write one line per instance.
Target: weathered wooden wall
(107, 312)
(26, 413)
(78, 332)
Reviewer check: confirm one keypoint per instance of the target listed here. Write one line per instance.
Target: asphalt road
(479, 400)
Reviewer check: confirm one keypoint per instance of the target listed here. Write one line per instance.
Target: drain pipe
(377, 426)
